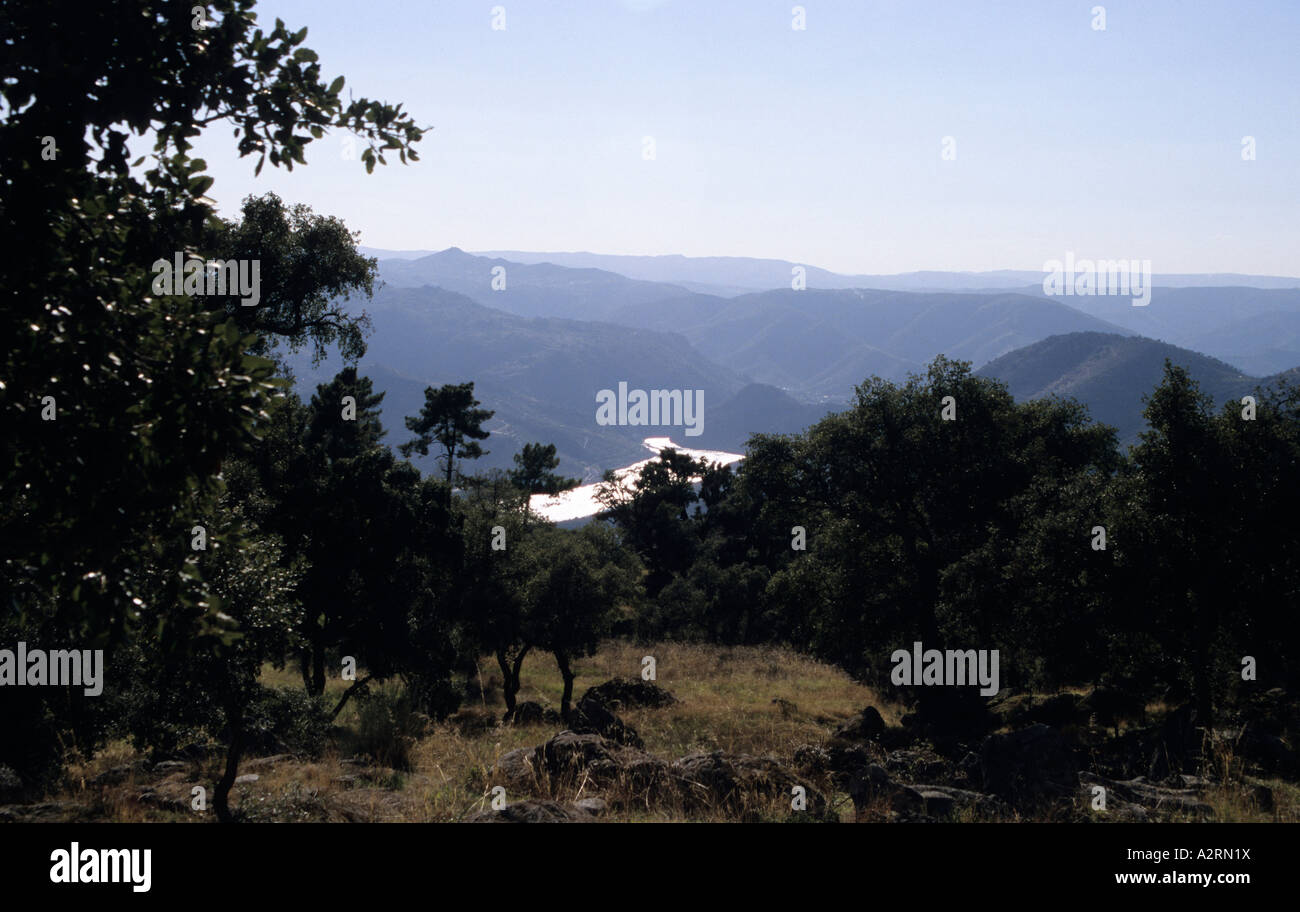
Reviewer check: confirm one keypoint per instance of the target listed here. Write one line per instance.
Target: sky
(823, 145)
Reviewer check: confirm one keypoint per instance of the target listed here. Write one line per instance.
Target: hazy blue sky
(820, 146)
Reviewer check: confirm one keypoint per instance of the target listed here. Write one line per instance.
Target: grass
(761, 701)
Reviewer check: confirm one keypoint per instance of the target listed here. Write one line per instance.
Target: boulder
(594, 806)
(621, 693)
(941, 801)
(526, 713)
(1029, 768)
(591, 716)
(866, 725)
(736, 783)
(514, 769)
(571, 756)
(1152, 798)
(535, 812)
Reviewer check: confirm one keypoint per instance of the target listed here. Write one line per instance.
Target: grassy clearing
(761, 701)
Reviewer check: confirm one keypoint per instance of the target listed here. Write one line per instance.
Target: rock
(1141, 792)
(624, 692)
(1029, 768)
(735, 783)
(591, 716)
(919, 764)
(865, 726)
(867, 784)
(942, 801)
(526, 713)
(570, 756)
(535, 812)
(594, 806)
(165, 799)
(168, 767)
(370, 805)
(247, 779)
(514, 769)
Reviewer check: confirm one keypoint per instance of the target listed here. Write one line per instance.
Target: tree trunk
(511, 672)
(343, 701)
(1202, 689)
(221, 799)
(318, 665)
(562, 659)
(508, 686)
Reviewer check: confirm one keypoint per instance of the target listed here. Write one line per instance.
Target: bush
(387, 728)
(286, 721)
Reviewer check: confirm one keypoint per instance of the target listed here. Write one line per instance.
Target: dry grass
(760, 701)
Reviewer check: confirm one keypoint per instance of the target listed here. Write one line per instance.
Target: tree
(307, 262)
(376, 541)
(910, 516)
(576, 582)
(151, 393)
(534, 470)
(653, 513)
(491, 577)
(451, 417)
(1178, 504)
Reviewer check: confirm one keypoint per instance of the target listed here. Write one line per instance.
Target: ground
(755, 701)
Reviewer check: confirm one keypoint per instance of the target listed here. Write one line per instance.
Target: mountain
(758, 274)
(756, 409)
(530, 290)
(821, 343)
(1110, 373)
(1255, 329)
(540, 375)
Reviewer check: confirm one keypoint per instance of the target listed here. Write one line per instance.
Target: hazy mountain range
(566, 326)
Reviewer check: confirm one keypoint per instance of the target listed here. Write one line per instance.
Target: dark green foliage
(451, 418)
(534, 470)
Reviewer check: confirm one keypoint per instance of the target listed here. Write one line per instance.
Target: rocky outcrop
(736, 783)
(536, 812)
(1029, 769)
(591, 716)
(622, 693)
(866, 725)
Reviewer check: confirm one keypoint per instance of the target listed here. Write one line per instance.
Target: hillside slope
(1111, 373)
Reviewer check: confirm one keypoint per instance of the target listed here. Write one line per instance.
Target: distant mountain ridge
(530, 290)
(541, 376)
(820, 344)
(1110, 373)
(743, 274)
